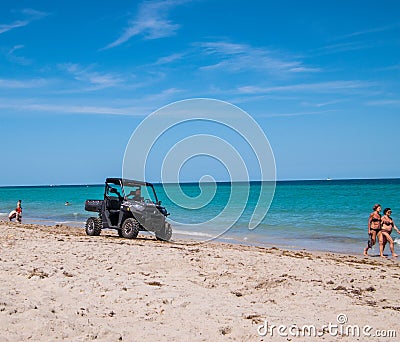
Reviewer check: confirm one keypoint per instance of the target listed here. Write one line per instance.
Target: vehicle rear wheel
(93, 226)
(166, 233)
(130, 228)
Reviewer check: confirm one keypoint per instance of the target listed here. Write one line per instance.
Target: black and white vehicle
(129, 207)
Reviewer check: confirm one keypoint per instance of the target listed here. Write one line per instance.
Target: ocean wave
(185, 232)
(69, 222)
(3, 214)
(68, 216)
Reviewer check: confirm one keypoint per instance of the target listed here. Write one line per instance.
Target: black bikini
(374, 219)
(387, 223)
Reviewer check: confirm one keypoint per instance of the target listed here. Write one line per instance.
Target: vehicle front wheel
(93, 226)
(130, 228)
(166, 233)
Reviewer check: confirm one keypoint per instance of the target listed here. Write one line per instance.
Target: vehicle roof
(125, 181)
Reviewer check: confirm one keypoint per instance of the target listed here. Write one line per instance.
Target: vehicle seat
(113, 205)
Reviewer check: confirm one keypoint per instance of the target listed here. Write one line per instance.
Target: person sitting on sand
(16, 213)
(387, 227)
(374, 228)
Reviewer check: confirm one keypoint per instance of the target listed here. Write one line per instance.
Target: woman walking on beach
(374, 228)
(387, 227)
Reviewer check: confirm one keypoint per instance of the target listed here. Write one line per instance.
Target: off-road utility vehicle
(125, 210)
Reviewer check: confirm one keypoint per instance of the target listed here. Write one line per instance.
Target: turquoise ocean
(326, 215)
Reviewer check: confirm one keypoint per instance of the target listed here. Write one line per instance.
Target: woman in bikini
(387, 227)
(374, 228)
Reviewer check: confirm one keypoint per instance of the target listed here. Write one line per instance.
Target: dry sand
(58, 283)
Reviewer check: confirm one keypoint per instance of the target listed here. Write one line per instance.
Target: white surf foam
(185, 232)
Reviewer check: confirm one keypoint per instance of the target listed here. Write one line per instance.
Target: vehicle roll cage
(128, 182)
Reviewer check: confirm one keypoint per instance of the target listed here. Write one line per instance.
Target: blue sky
(320, 78)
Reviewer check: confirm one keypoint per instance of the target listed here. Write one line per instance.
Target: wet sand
(58, 283)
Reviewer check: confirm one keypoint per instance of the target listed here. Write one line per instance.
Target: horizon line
(196, 182)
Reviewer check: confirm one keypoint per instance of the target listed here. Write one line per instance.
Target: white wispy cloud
(22, 84)
(31, 15)
(357, 40)
(244, 98)
(13, 25)
(242, 57)
(34, 14)
(93, 79)
(391, 67)
(370, 30)
(343, 47)
(272, 115)
(322, 104)
(151, 22)
(383, 103)
(130, 107)
(162, 95)
(318, 87)
(12, 57)
(169, 59)
(73, 109)
(304, 69)
(15, 48)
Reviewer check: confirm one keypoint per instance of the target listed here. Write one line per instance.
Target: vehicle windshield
(138, 192)
(113, 190)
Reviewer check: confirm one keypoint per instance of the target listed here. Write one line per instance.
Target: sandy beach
(58, 283)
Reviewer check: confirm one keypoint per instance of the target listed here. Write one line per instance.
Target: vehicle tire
(93, 226)
(166, 233)
(130, 228)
